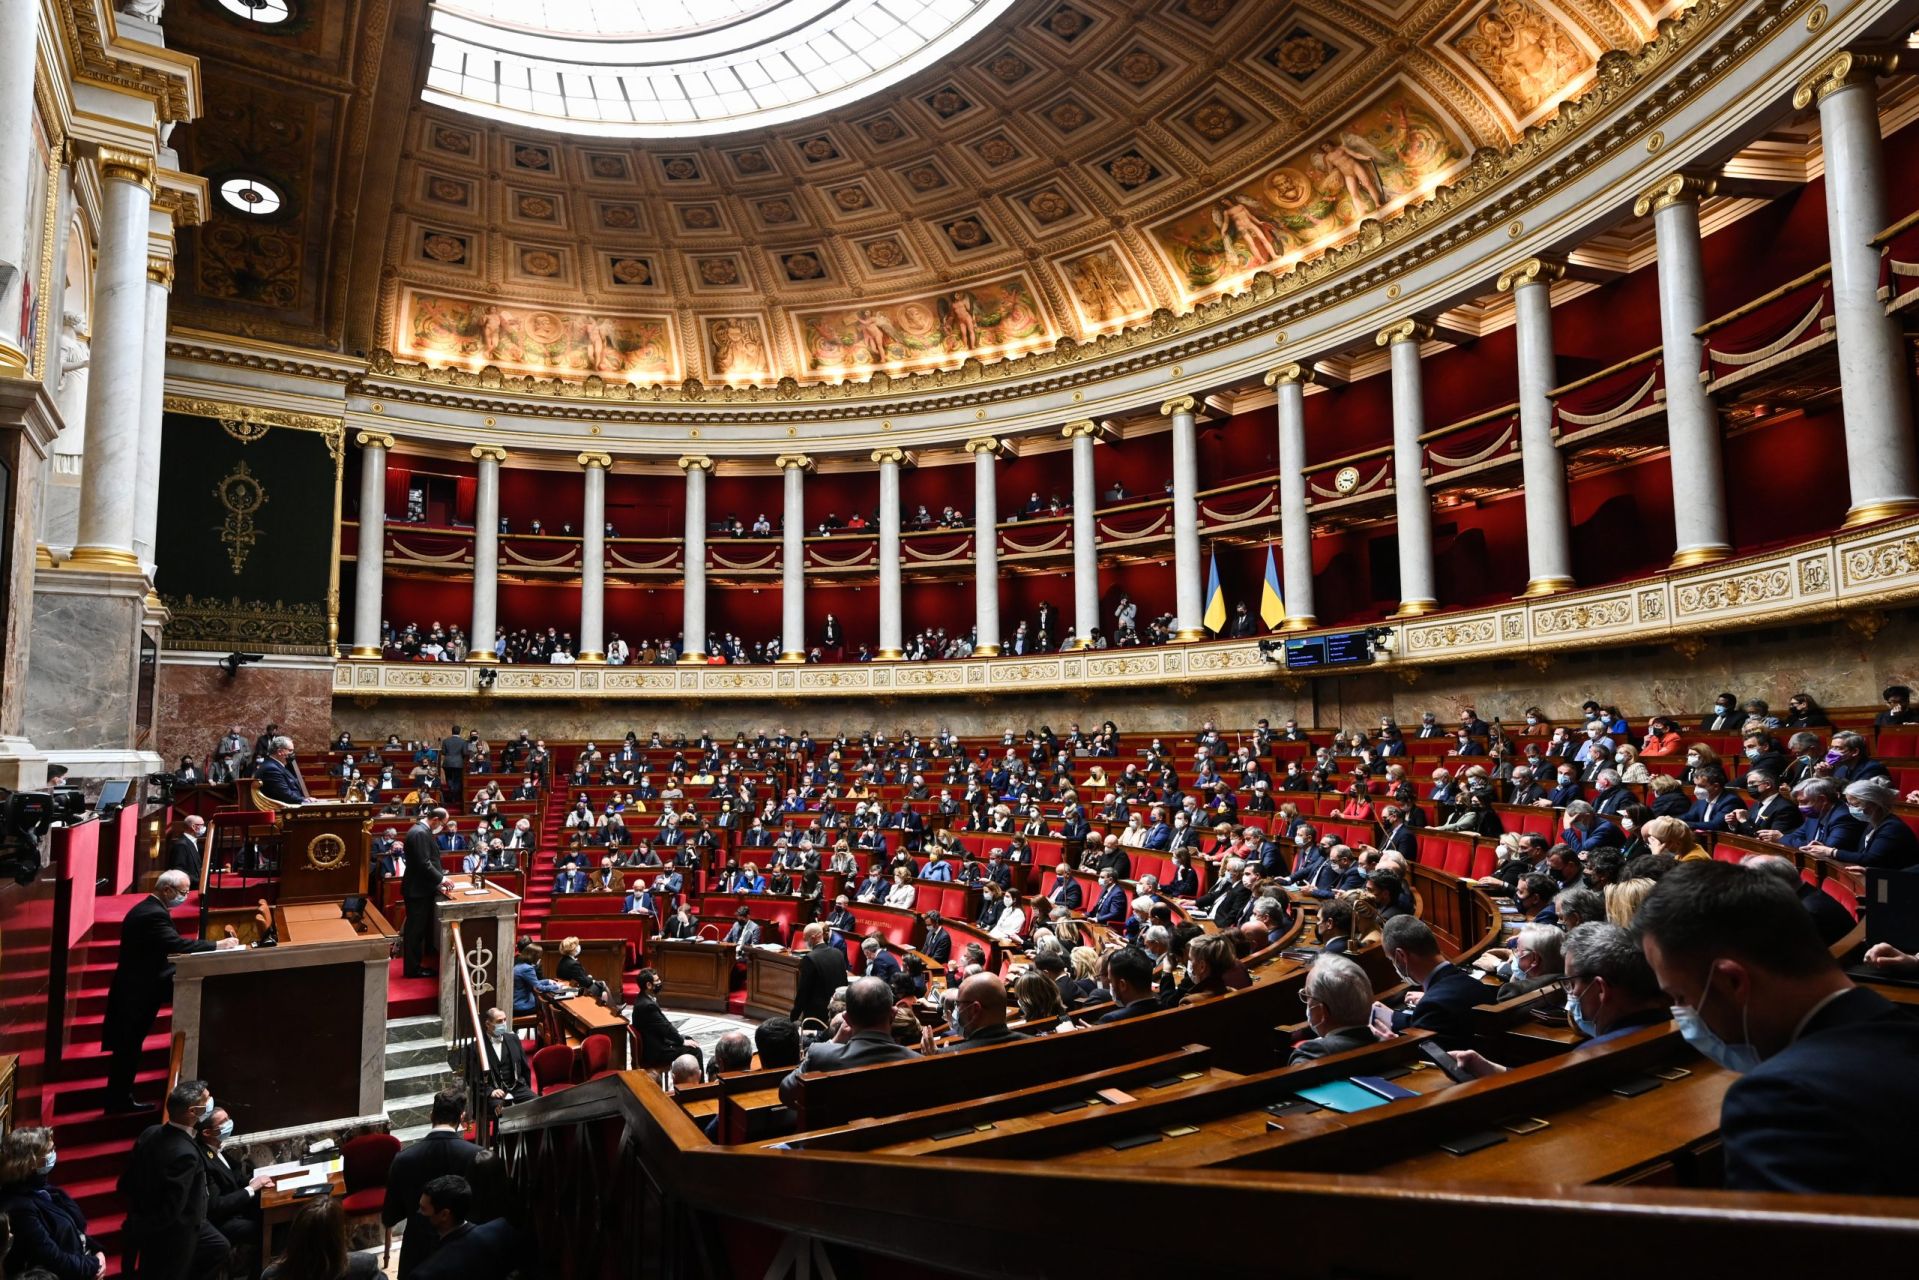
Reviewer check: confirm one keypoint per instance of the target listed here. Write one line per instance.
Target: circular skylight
(678, 68)
(251, 195)
(264, 12)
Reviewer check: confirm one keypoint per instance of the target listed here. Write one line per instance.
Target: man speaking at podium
(421, 886)
(278, 777)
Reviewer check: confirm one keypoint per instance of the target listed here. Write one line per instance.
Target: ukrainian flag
(1272, 605)
(1214, 619)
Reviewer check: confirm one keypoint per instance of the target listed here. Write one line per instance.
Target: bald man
(981, 1013)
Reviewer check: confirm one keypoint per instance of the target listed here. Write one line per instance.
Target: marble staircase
(417, 1067)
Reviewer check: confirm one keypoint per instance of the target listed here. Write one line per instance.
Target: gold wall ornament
(1408, 330)
(1531, 271)
(695, 462)
(117, 165)
(899, 457)
(788, 460)
(372, 439)
(1178, 405)
(243, 430)
(1080, 427)
(326, 852)
(1675, 188)
(489, 453)
(1842, 71)
(1294, 372)
(241, 493)
(983, 444)
(601, 460)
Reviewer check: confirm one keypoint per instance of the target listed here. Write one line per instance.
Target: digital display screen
(1340, 649)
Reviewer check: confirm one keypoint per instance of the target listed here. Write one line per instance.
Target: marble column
(985, 451)
(1549, 551)
(693, 574)
(369, 566)
(486, 554)
(1085, 435)
(107, 499)
(793, 468)
(1189, 590)
(1881, 464)
(593, 559)
(1694, 448)
(1412, 505)
(153, 395)
(1288, 382)
(20, 19)
(892, 638)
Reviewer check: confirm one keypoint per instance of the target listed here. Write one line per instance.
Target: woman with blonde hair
(1039, 1000)
(1631, 767)
(1085, 962)
(1672, 837)
(1623, 899)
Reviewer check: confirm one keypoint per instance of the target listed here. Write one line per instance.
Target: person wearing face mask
(1761, 751)
(143, 982)
(1725, 716)
(165, 1185)
(49, 1230)
(440, 1151)
(978, 1016)
(1771, 809)
(1662, 738)
(1850, 759)
(1888, 843)
(422, 885)
(499, 1060)
(1567, 789)
(1823, 1065)
(1626, 760)
(1587, 829)
(1537, 962)
(1447, 994)
(1596, 750)
(1829, 830)
(1339, 999)
(1609, 796)
(233, 1189)
(1713, 805)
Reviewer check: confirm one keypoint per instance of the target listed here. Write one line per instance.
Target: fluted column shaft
(1694, 449)
(793, 468)
(592, 559)
(1084, 435)
(892, 644)
(107, 499)
(1881, 466)
(153, 395)
(693, 604)
(1189, 601)
(486, 553)
(1412, 505)
(369, 567)
(19, 19)
(1288, 382)
(985, 451)
(1548, 515)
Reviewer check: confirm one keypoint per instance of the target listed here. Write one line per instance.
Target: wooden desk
(697, 975)
(583, 1016)
(489, 919)
(772, 983)
(278, 1208)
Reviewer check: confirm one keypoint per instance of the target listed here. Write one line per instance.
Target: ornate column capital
(1294, 372)
(373, 440)
(891, 454)
(1178, 404)
(1842, 71)
(695, 462)
(1531, 271)
(117, 165)
(983, 444)
(787, 461)
(603, 461)
(1080, 427)
(489, 452)
(160, 272)
(1407, 330)
(1678, 187)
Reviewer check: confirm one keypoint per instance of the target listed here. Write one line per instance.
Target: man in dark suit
(1130, 972)
(1400, 836)
(864, 1038)
(441, 1151)
(1771, 808)
(183, 846)
(278, 777)
(143, 982)
(1065, 891)
(1826, 1069)
(165, 1185)
(1712, 803)
(880, 963)
(423, 885)
(499, 1056)
(465, 1250)
(841, 920)
(822, 972)
(453, 753)
(1339, 999)
(938, 944)
(1828, 825)
(233, 1189)
(1109, 901)
(1444, 1003)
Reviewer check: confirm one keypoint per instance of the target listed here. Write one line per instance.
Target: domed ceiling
(1070, 169)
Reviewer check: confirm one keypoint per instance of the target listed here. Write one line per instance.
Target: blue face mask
(1740, 1058)
(1856, 811)
(46, 1165)
(1578, 1016)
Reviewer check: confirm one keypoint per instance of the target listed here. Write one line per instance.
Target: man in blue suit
(1712, 805)
(1337, 874)
(1065, 891)
(1828, 829)
(572, 880)
(1159, 836)
(1444, 1003)
(1586, 830)
(1827, 1071)
(277, 776)
(880, 963)
(1109, 906)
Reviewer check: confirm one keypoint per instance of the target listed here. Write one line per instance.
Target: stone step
(415, 1053)
(409, 1112)
(428, 1079)
(423, 1027)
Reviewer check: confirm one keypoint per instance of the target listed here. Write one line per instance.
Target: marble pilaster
(369, 567)
(1548, 513)
(693, 575)
(892, 638)
(1084, 435)
(1288, 382)
(592, 560)
(1189, 590)
(486, 553)
(985, 451)
(1412, 505)
(793, 468)
(19, 19)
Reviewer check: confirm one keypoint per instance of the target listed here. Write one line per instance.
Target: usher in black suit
(142, 983)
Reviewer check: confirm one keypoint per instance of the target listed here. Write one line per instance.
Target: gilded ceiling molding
(169, 78)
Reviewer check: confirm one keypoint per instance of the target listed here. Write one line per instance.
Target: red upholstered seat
(595, 1056)
(365, 1161)
(1485, 858)
(1836, 889)
(1458, 860)
(552, 1068)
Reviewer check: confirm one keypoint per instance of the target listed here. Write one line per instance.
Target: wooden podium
(697, 975)
(772, 982)
(324, 851)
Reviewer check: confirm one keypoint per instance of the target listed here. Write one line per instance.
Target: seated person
(1130, 973)
(1537, 961)
(499, 1059)
(862, 1036)
(1444, 1002)
(1339, 1002)
(528, 985)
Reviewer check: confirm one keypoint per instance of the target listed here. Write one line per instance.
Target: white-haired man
(143, 982)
